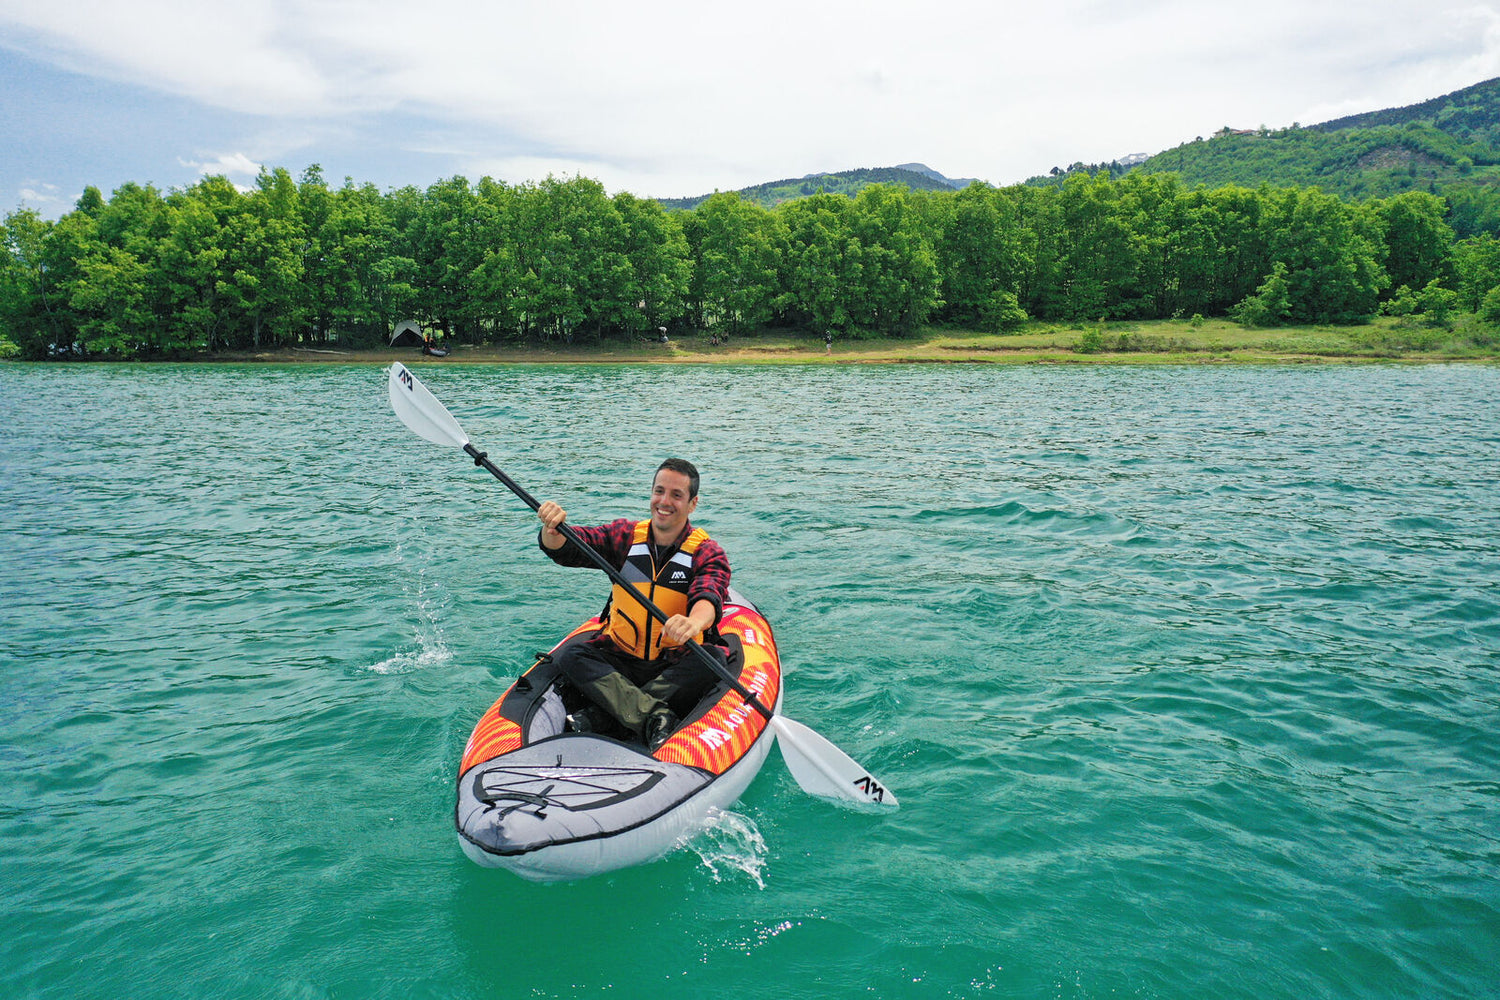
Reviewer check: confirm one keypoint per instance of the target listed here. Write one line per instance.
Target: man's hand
(680, 628)
(552, 516)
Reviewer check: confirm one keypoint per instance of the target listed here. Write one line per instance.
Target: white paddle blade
(420, 410)
(824, 770)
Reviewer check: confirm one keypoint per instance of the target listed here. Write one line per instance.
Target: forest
(295, 261)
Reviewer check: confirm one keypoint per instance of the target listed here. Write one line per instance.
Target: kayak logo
(714, 737)
(406, 379)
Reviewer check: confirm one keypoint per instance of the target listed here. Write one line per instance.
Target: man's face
(670, 504)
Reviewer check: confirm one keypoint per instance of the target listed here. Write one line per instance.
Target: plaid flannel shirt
(612, 541)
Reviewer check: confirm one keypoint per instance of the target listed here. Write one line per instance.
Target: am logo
(870, 788)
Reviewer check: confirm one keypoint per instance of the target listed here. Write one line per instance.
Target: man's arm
(706, 597)
(552, 516)
(680, 628)
(612, 541)
(710, 579)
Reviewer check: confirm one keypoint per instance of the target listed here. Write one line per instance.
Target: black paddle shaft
(481, 460)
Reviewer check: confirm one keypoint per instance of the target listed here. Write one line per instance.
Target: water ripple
(1186, 679)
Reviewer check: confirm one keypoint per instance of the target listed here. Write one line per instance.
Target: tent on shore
(408, 334)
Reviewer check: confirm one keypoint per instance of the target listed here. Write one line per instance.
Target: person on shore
(637, 670)
(828, 342)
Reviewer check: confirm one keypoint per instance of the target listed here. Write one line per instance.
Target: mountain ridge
(1448, 144)
(1486, 90)
(917, 176)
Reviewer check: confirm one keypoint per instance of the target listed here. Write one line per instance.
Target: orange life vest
(630, 625)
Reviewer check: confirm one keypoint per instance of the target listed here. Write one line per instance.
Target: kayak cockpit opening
(579, 715)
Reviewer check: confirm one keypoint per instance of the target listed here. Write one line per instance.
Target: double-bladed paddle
(821, 768)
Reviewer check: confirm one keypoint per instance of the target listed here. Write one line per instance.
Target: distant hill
(1449, 146)
(1352, 162)
(922, 168)
(917, 176)
(1460, 113)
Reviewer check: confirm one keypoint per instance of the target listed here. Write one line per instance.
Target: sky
(666, 99)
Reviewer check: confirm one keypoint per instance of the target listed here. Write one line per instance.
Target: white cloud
(668, 97)
(231, 56)
(229, 164)
(40, 195)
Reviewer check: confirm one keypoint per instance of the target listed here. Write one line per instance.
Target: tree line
(297, 262)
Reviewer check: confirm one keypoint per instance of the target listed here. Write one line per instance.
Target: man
(637, 669)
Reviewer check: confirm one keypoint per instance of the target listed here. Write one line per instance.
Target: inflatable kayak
(550, 803)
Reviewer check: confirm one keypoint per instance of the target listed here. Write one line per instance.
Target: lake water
(1186, 678)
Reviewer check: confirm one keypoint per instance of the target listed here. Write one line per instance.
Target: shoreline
(809, 358)
(1219, 342)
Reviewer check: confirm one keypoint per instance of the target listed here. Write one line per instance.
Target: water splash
(408, 661)
(731, 847)
(427, 648)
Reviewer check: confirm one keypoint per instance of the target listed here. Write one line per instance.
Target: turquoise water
(1186, 678)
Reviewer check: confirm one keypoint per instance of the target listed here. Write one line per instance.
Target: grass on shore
(1147, 342)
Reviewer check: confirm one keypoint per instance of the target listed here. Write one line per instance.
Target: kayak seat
(541, 699)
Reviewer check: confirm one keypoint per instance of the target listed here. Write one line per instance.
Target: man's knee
(581, 663)
(687, 679)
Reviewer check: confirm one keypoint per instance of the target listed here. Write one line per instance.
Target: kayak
(549, 803)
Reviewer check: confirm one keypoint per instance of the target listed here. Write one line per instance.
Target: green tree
(574, 277)
(1476, 262)
(264, 262)
(443, 241)
(981, 256)
(1417, 240)
(898, 290)
(1192, 258)
(1098, 250)
(98, 276)
(67, 242)
(134, 219)
(821, 268)
(738, 249)
(1042, 287)
(365, 282)
(1151, 210)
(1331, 252)
(1242, 245)
(1473, 208)
(1271, 305)
(1002, 311)
(1489, 307)
(657, 251)
(111, 301)
(1403, 302)
(30, 303)
(192, 257)
(1438, 303)
(495, 282)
